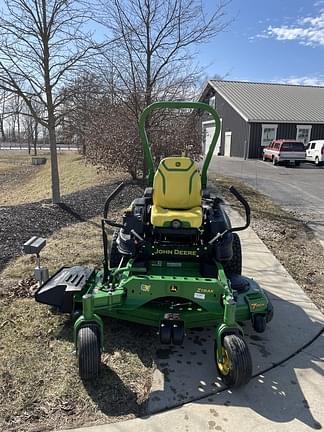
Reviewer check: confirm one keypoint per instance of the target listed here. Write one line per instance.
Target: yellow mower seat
(177, 193)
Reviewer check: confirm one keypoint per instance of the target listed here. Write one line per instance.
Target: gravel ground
(18, 174)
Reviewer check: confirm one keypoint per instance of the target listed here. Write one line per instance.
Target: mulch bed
(19, 223)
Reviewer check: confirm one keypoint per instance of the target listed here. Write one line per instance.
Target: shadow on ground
(187, 373)
(277, 395)
(129, 350)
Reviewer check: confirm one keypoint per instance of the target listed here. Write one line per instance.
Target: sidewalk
(287, 390)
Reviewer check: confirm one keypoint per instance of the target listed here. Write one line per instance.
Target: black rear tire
(88, 352)
(239, 361)
(234, 265)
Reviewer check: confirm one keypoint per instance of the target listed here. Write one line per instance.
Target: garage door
(209, 133)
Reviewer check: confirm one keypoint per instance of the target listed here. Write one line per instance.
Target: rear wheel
(235, 366)
(88, 352)
(297, 163)
(235, 264)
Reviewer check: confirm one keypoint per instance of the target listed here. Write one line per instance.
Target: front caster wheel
(259, 323)
(235, 366)
(165, 333)
(177, 333)
(88, 347)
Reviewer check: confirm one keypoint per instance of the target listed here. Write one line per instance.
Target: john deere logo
(178, 164)
(173, 288)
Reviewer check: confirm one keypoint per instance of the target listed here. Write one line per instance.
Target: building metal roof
(273, 103)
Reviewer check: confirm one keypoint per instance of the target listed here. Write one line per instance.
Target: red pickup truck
(284, 151)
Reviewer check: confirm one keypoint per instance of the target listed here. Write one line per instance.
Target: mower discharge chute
(174, 263)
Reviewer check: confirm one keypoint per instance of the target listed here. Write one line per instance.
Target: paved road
(300, 189)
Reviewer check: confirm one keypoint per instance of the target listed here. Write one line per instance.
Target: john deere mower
(174, 262)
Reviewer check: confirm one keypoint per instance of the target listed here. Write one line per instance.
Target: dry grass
(40, 387)
(78, 243)
(75, 175)
(11, 161)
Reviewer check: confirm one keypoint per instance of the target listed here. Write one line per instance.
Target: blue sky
(269, 40)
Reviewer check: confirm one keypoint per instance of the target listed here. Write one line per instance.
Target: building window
(269, 133)
(303, 133)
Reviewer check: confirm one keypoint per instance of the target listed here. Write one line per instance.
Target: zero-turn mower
(174, 263)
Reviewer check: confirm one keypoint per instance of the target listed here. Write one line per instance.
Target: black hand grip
(243, 201)
(111, 197)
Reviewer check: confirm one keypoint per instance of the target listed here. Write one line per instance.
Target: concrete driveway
(299, 189)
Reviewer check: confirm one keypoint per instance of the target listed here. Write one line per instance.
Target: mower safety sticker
(199, 296)
(145, 288)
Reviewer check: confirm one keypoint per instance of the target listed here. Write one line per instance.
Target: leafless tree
(31, 125)
(154, 59)
(157, 41)
(4, 114)
(86, 93)
(42, 42)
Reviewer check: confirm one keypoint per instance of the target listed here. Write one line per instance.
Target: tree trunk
(13, 131)
(29, 137)
(35, 138)
(18, 127)
(3, 134)
(56, 197)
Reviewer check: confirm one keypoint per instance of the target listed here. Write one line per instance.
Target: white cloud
(319, 3)
(307, 31)
(302, 80)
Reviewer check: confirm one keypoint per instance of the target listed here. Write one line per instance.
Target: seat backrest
(177, 184)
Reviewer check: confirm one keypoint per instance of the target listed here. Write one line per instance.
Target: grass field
(35, 185)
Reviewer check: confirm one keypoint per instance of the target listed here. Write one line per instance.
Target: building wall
(246, 137)
(317, 132)
(233, 122)
(285, 131)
